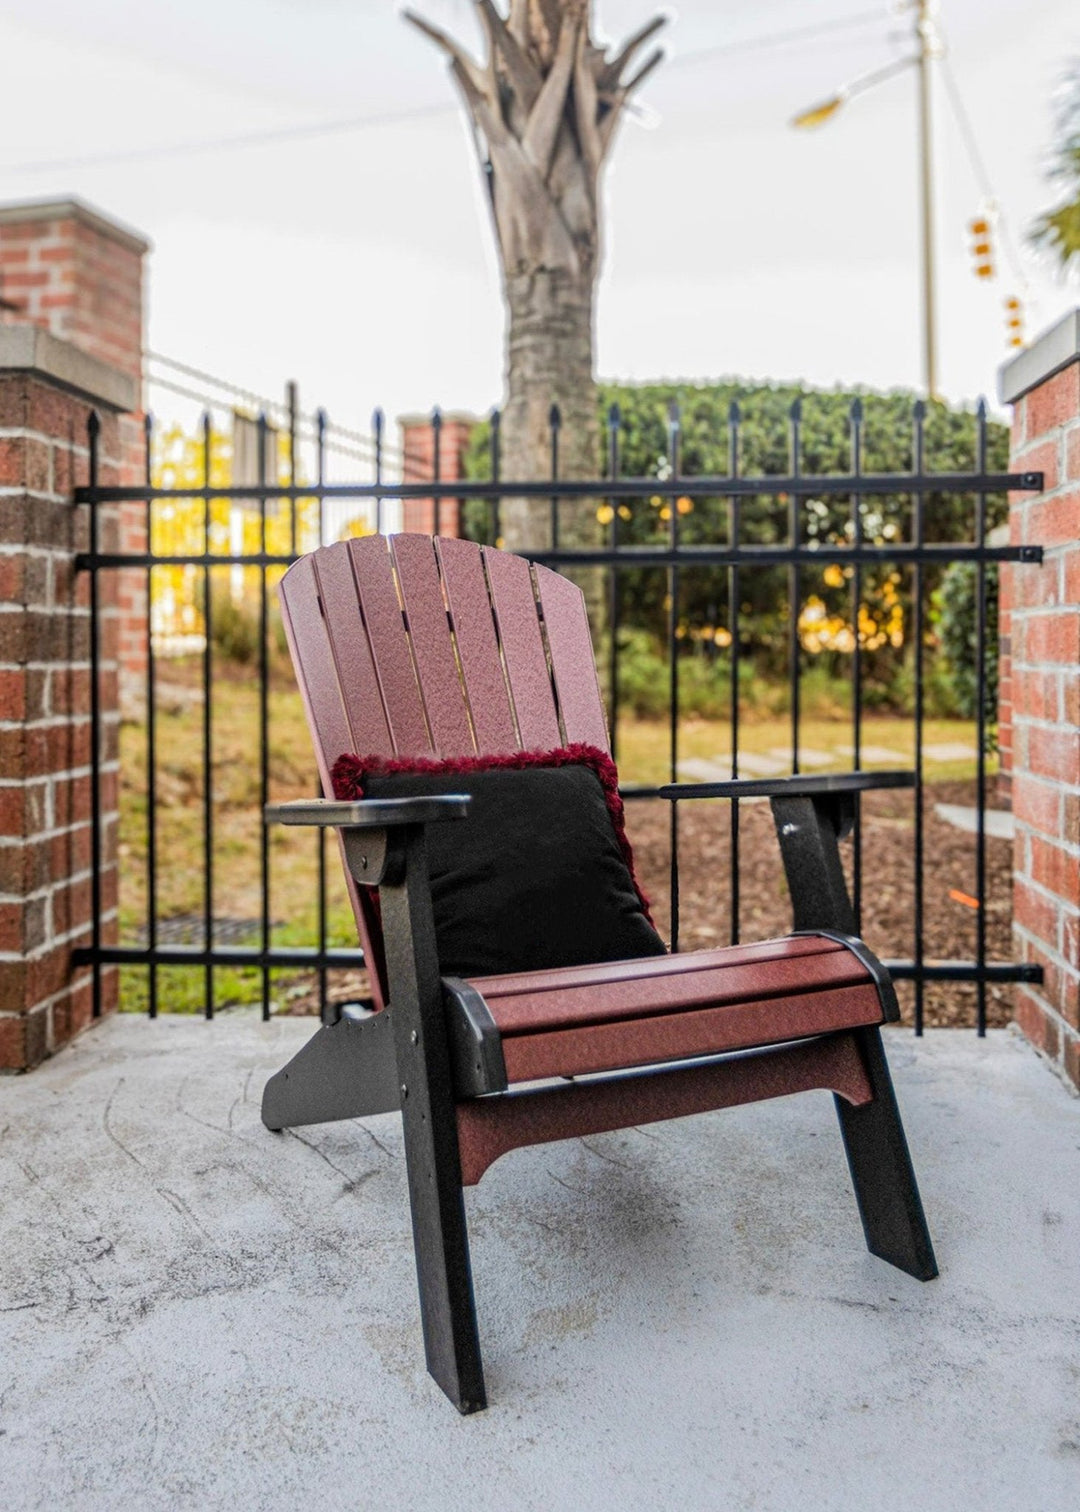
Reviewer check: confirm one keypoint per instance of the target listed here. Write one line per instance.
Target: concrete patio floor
(195, 1313)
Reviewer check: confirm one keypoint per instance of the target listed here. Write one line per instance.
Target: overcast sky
(361, 263)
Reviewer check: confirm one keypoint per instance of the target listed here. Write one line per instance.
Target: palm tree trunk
(549, 361)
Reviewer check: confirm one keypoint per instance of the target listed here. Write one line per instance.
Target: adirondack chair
(411, 646)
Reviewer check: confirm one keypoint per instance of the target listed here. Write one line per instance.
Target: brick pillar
(1041, 693)
(78, 274)
(418, 451)
(47, 390)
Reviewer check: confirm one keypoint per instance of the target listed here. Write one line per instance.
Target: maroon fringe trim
(350, 770)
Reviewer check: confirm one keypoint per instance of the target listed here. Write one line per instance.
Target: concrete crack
(105, 1124)
(578, 1192)
(375, 1139)
(241, 1099)
(155, 1405)
(610, 1159)
(350, 1181)
(179, 1206)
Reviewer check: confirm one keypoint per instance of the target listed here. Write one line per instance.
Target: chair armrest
(369, 813)
(812, 785)
(374, 832)
(811, 814)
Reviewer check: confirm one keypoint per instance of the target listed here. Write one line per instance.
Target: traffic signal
(1014, 322)
(981, 247)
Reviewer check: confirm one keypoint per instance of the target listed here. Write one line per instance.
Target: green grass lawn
(643, 753)
(644, 745)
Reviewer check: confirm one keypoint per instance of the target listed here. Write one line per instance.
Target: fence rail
(672, 549)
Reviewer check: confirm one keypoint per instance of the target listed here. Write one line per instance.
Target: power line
(967, 131)
(978, 167)
(263, 402)
(222, 144)
(779, 39)
(414, 113)
(257, 401)
(338, 448)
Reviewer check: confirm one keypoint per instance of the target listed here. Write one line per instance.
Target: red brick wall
(79, 275)
(1040, 714)
(418, 449)
(45, 841)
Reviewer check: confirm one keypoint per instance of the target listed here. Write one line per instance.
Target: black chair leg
(429, 1118)
(881, 1170)
(443, 1268)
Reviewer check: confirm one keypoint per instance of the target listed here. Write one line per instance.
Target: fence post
(1040, 688)
(47, 390)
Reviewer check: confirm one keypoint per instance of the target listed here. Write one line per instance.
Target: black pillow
(539, 875)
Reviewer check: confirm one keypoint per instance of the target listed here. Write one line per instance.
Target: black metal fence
(643, 535)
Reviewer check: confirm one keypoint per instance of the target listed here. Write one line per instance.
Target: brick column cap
(29, 349)
(77, 210)
(1048, 354)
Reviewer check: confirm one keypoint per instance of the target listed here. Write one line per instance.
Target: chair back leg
(881, 1171)
(884, 1179)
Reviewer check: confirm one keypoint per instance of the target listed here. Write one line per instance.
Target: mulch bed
(888, 829)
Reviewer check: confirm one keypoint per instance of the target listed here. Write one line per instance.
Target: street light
(927, 47)
(817, 115)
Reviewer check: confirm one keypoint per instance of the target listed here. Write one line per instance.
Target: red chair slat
(369, 732)
(572, 663)
(715, 983)
(433, 649)
(523, 650)
(316, 672)
(700, 1031)
(610, 971)
(390, 646)
(477, 645)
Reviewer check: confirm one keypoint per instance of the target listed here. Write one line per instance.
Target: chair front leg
(440, 1235)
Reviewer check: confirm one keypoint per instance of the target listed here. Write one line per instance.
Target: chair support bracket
(346, 1070)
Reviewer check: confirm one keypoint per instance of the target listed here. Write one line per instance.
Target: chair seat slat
(603, 972)
(695, 1031)
(712, 985)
